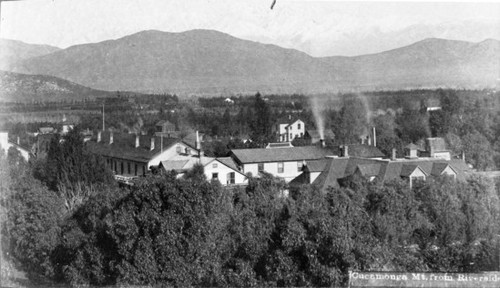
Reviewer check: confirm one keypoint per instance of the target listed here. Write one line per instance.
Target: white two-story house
(288, 128)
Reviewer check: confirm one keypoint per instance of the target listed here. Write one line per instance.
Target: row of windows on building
(230, 179)
(119, 167)
(281, 167)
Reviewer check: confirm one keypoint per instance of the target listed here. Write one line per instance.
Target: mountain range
(211, 62)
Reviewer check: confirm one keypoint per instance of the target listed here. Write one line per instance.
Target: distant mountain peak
(207, 61)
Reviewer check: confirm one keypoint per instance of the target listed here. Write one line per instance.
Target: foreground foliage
(190, 232)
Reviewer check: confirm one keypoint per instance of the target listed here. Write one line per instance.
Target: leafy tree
(69, 164)
(477, 151)
(31, 232)
(261, 123)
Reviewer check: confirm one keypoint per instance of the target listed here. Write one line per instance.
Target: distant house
(66, 125)
(314, 136)
(285, 163)
(47, 130)
(288, 128)
(166, 129)
(436, 148)
(130, 155)
(223, 169)
(432, 105)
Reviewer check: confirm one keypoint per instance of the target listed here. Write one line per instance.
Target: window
(214, 165)
(301, 134)
(121, 167)
(291, 136)
(299, 166)
(230, 178)
(215, 176)
(291, 127)
(260, 167)
(128, 167)
(135, 173)
(280, 167)
(116, 169)
(298, 126)
(143, 170)
(178, 149)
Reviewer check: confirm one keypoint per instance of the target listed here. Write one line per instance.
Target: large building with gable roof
(331, 171)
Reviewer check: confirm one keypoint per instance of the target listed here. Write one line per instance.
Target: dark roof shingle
(123, 146)
(280, 154)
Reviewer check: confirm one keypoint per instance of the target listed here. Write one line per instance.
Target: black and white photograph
(249, 143)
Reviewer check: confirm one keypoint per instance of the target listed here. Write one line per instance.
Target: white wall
(5, 145)
(295, 130)
(4, 141)
(223, 171)
(446, 155)
(314, 175)
(169, 153)
(290, 169)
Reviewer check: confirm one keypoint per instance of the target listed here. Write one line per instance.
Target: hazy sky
(316, 27)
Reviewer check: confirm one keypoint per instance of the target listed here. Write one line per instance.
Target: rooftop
(262, 155)
(123, 146)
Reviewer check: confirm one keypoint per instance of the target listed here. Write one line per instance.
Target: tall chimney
(344, 151)
(393, 154)
(136, 141)
(374, 137)
(152, 147)
(99, 137)
(110, 138)
(197, 144)
(18, 140)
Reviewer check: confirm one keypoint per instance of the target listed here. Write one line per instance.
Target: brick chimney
(110, 138)
(393, 154)
(152, 147)
(136, 141)
(99, 137)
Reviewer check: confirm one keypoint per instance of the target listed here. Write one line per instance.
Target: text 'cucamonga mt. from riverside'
(206, 61)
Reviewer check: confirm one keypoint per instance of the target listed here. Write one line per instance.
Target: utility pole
(103, 127)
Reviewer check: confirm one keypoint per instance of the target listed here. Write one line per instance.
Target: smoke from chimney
(111, 138)
(318, 118)
(322, 142)
(152, 147)
(137, 141)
